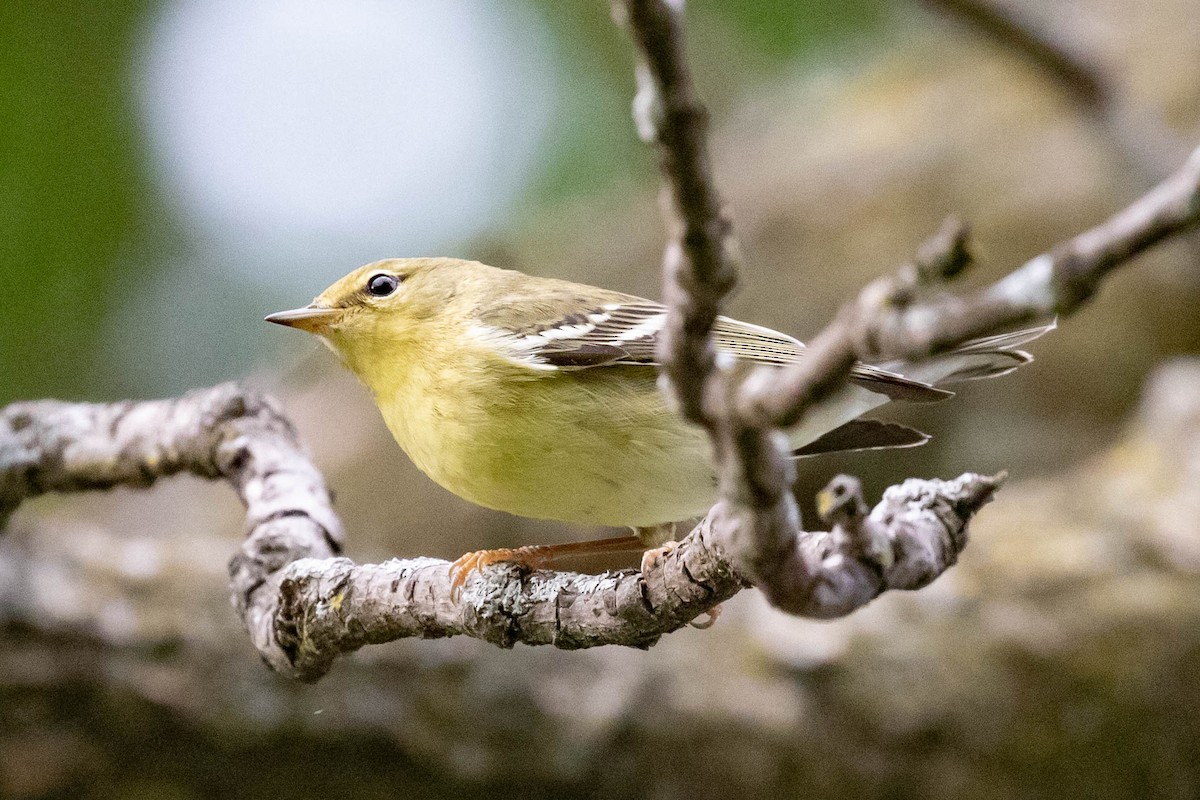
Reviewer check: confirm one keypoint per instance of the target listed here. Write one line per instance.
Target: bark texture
(304, 606)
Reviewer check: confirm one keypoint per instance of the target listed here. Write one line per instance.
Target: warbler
(538, 396)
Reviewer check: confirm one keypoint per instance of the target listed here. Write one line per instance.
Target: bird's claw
(651, 557)
(712, 613)
(528, 558)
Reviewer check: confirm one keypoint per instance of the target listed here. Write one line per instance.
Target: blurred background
(172, 171)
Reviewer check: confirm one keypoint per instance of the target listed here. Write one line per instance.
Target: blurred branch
(1056, 57)
(700, 264)
(1143, 140)
(304, 606)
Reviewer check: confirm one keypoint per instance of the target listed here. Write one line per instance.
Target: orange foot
(534, 557)
(528, 557)
(650, 558)
(712, 613)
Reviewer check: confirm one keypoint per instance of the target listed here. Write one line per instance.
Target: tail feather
(896, 386)
(864, 434)
(975, 366)
(1007, 341)
(986, 357)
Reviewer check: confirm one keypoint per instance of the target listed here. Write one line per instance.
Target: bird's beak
(309, 318)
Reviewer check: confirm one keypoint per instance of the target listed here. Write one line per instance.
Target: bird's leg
(538, 556)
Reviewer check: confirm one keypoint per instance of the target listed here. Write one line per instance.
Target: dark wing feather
(584, 355)
(864, 434)
(616, 333)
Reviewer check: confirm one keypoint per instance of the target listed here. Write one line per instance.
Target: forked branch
(760, 526)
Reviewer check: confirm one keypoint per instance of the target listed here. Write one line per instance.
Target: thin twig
(1057, 282)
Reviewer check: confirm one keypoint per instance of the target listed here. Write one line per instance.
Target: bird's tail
(986, 357)
(833, 426)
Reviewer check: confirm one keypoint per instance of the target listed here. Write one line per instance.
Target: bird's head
(376, 309)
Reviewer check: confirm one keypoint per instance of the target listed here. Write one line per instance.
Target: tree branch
(759, 521)
(304, 606)
(699, 266)
(221, 433)
(760, 527)
(1057, 58)
(886, 321)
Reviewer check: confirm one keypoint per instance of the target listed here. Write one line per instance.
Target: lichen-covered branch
(225, 433)
(304, 606)
(912, 536)
(759, 521)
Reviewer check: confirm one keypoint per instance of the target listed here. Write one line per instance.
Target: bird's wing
(625, 330)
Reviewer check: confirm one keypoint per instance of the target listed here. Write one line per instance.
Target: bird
(539, 397)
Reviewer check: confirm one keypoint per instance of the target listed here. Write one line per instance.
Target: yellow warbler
(538, 396)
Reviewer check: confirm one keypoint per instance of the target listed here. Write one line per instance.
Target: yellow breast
(595, 446)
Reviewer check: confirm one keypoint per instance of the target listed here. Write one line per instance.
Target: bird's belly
(630, 488)
(597, 465)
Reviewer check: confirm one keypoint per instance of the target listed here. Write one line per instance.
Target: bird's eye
(382, 285)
